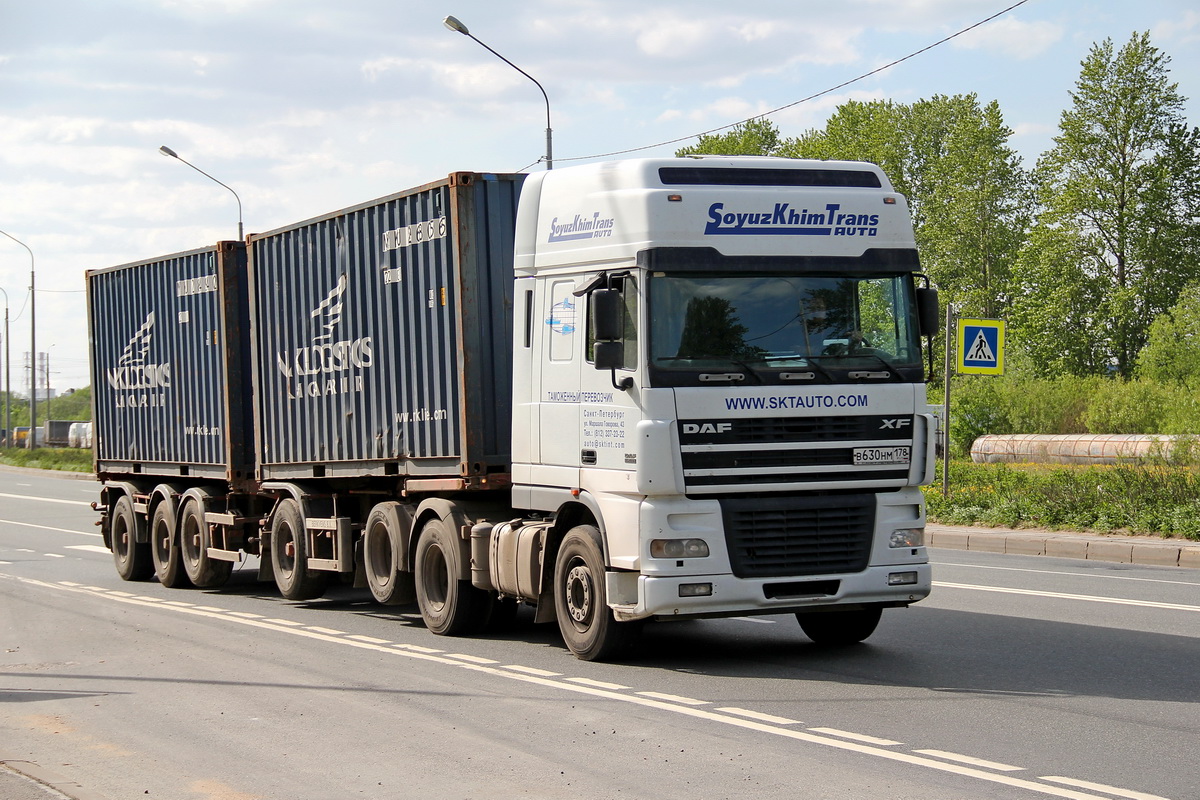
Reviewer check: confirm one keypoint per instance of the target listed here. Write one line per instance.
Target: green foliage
(1154, 499)
(1172, 351)
(1110, 250)
(756, 137)
(74, 406)
(1013, 404)
(56, 458)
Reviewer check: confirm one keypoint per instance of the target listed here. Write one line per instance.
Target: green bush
(57, 458)
(1157, 499)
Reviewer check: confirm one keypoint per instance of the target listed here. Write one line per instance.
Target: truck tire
(131, 557)
(450, 606)
(383, 554)
(587, 624)
(289, 555)
(164, 547)
(194, 541)
(840, 627)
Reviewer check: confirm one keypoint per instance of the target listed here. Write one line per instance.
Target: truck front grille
(774, 537)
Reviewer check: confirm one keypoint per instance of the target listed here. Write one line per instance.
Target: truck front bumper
(634, 596)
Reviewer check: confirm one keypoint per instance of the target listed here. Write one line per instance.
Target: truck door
(562, 335)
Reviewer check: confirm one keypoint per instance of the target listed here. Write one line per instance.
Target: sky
(304, 107)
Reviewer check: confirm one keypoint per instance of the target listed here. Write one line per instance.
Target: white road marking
(759, 620)
(978, 762)
(1100, 787)
(53, 555)
(245, 615)
(857, 737)
(1119, 601)
(743, 712)
(90, 548)
(544, 673)
(287, 622)
(416, 648)
(472, 659)
(49, 528)
(369, 639)
(326, 631)
(594, 688)
(5, 562)
(674, 698)
(1080, 574)
(47, 499)
(597, 684)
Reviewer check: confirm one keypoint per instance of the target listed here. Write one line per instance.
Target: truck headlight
(679, 548)
(908, 537)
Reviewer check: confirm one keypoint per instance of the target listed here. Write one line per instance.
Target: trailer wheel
(164, 547)
(449, 606)
(587, 624)
(383, 554)
(289, 555)
(131, 557)
(840, 627)
(194, 541)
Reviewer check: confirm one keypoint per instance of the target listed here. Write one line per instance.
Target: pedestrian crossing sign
(981, 347)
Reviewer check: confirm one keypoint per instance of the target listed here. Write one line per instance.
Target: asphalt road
(1021, 677)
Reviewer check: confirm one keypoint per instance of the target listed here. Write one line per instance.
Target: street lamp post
(32, 345)
(455, 25)
(166, 151)
(7, 379)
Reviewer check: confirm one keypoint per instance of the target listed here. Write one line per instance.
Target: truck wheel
(449, 606)
(131, 557)
(289, 555)
(840, 627)
(587, 624)
(386, 526)
(194, 541)
(164, 547)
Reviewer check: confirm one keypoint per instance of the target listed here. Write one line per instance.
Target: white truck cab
(720, 358)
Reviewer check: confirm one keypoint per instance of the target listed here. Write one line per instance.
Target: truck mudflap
(635, 596)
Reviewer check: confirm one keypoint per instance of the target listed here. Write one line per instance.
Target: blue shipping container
(381, 341)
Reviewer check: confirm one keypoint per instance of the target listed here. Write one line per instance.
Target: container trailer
(644, 389)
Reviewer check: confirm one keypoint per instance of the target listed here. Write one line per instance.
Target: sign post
(980, 351)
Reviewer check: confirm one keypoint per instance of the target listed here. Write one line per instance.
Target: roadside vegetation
(66, 459)
(1155, 499)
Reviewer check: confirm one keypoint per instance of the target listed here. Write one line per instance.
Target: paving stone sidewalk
(1142, 550)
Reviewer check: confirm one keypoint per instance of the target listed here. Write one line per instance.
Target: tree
(1172, 351)
(968, 194)
(755, 137)
(1117, 191)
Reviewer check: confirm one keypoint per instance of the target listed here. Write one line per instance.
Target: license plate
(882, 455)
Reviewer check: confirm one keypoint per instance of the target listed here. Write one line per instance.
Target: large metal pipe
(1092, 448)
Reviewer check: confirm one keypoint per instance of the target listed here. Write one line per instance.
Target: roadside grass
(1155, 499)
(66, 459)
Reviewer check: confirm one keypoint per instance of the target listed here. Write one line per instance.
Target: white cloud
(1012, 37)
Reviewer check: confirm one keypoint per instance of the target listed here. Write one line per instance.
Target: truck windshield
(771, 326)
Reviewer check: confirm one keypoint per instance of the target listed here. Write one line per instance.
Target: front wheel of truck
(840, 627)
(587, 624)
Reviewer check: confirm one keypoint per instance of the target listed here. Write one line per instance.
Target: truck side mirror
(607, 317)
(609, 355)
(927, 311)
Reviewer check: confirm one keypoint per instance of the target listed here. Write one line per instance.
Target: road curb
(1140, 550)
(47, 782)
(61, 473)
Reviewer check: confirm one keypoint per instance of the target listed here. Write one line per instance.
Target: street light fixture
(32, 345)
(7, 379)
(166, 151)
(455, 25)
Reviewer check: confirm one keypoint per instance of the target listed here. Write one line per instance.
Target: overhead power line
(831, 89)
